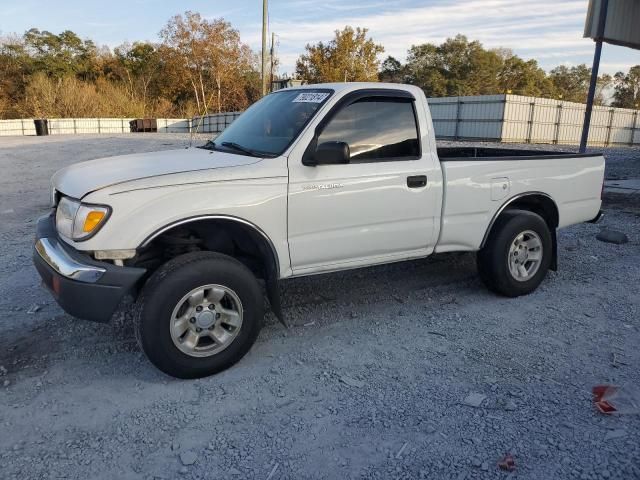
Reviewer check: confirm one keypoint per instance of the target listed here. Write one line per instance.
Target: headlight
(79, 221)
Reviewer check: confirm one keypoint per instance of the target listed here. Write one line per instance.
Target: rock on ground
(612, 236)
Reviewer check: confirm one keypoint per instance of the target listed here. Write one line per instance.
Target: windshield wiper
(210, 145)
(240, 148)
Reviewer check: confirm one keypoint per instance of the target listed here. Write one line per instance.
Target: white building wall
(468, 117)
(522, 119)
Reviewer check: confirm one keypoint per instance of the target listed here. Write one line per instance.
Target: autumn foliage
(349, 57)
(459, 66)
(200, 66)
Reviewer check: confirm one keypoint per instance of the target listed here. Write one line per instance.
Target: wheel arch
(246, 225)
(219, 233)
(537, 202)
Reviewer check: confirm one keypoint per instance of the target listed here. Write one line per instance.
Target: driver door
(376, 208)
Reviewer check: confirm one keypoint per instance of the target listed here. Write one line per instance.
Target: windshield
(268, 127)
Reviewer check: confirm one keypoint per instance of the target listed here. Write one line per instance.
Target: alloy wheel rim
(525, 255)
(206, 320)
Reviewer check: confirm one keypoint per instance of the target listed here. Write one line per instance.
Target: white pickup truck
(308, 180)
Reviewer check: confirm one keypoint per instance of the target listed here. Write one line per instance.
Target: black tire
(163, 292)
(492, 260)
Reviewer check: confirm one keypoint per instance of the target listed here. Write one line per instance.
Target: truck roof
(347, 86)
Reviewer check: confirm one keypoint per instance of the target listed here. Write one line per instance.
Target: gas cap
(500, 188)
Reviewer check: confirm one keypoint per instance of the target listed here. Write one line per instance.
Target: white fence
(215, 123)
(21, 126)
(71, 126)
(502, 118)
(518, 119)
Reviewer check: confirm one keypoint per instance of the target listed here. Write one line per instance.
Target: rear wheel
(517, 254)
(199, 314)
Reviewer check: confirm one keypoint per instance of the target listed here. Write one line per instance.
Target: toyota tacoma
(308, 180)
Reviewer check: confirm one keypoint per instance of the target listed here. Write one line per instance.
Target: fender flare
(272, 269)
(505, 205)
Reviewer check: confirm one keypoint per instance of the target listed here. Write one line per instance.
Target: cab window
(376, 129)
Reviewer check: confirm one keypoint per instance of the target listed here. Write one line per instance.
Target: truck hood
(82, 178)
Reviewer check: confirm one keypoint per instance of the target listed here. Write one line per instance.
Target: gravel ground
(409, 370)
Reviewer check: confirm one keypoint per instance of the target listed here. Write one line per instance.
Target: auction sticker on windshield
(311, 97)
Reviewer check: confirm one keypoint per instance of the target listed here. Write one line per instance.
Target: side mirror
(332, 153)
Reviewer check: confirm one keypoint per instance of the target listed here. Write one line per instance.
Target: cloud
(617, 66)
(549, 30)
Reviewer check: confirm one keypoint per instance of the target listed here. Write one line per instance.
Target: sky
(547, 30)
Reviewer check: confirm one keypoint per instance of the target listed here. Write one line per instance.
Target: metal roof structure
(622, 24)
(611, 21)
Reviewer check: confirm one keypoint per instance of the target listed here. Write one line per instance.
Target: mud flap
(554, 251)
(273, 294)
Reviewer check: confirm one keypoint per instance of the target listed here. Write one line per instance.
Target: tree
(142, 65)
(15, 68)
(200, 66)
(524, 77)
(424, 69)
(349, 57)
(62, 54)
(49, 97)
(468, 68)
(213, 60)
(462, 67)
(603, 85)
(392, 71)
(5, 106)
(571, 83)
(626, 92)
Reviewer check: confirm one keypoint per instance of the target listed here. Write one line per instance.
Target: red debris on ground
(617, 400)
(507, 463)
(600, 393)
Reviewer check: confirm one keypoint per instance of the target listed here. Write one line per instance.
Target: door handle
(417, 181)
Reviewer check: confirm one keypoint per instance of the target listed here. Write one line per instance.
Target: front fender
(140, 215)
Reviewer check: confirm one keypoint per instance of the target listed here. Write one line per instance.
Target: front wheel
(517, 254)
(199, 314)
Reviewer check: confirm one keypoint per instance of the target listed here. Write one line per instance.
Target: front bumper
(83, 287)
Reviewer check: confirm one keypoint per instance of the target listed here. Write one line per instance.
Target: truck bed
(478, 181)
(491, 153)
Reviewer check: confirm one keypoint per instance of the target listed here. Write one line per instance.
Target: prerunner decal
(311, 97)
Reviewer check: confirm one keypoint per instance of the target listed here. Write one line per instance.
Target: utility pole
(272, 51)
(265, 12)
